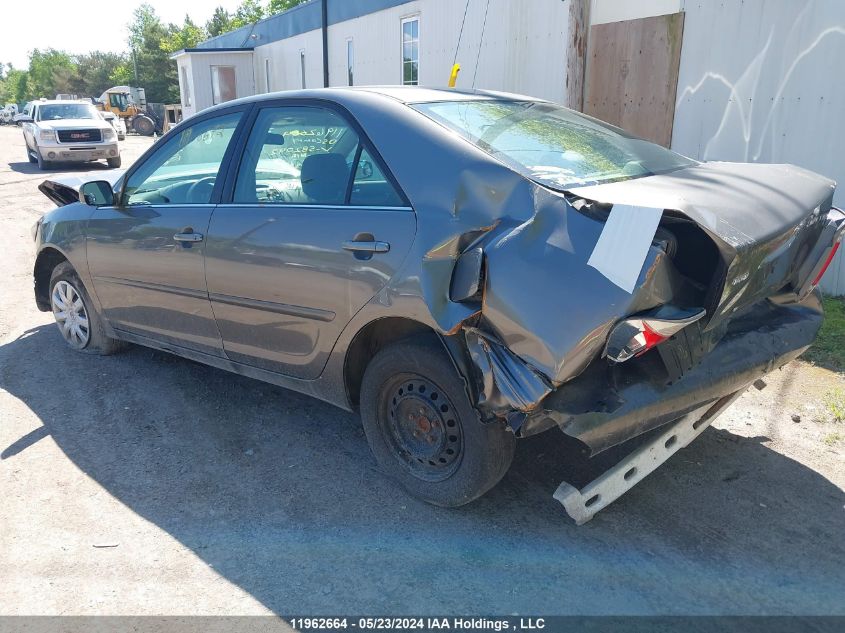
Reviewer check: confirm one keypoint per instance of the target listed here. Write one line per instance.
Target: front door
(314, 230)
(146, 256)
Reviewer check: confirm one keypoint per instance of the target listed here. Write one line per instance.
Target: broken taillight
(635, 336)
(827, 261)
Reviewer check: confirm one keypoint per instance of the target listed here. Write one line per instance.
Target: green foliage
(829, 349)
(834, 402)
(277, 6)
(248, 12)
(220, 22)
(14, 88)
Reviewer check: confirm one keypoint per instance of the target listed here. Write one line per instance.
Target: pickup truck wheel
(423, 429)
(79, 323)
(114, 162)
(42, 164)
(29, 155)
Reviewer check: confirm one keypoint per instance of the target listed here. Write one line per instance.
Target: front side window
(56, 111)
(410, 51)
(223, 86)
(553, 145)
(184, 170)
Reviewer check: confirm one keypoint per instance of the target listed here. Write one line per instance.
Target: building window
(223, 84)
(267, 74)
(350, 62)
(186, 88)
(411, 51)
(302, 66)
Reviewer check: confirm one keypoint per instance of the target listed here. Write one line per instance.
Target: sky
(81, 26)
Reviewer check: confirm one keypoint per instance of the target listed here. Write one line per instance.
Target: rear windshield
(551, 144)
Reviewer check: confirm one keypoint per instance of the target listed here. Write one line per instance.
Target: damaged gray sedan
(464, 268)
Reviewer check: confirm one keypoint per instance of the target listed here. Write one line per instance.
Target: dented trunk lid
(770, 223)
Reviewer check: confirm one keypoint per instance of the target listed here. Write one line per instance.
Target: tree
(220, 22)
(50, 72)
(94, 72)
(248, 12)
(149, 38)
(186, 36)
(278, 6)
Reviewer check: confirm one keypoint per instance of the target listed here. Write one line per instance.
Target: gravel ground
(146, 484)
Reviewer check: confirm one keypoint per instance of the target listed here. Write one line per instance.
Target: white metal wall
(524, 48)
(771, 91)
(200, 74)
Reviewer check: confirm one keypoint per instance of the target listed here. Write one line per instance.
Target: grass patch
(829, 349)
(834, 402)
(832, 438)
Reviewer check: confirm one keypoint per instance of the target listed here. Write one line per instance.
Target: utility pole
(325, 25)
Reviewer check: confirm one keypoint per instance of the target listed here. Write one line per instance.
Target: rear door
(146, 256)
(315, 227)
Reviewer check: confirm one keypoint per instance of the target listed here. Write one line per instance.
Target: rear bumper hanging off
(582, 505)
(607, 406)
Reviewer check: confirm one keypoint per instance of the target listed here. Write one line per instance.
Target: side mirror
(96, 194)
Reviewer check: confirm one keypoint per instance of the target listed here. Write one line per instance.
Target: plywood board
(632, 74)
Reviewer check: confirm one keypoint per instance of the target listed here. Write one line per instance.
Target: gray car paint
(544, 314)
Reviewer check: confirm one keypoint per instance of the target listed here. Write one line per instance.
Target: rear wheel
(79, 323)
(114, 162)
(423, 429)
(143, 125)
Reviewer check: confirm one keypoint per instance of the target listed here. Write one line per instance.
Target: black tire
(143, 125)
(114, 162)
(97, 342)
(29, 155)
(412, 387)
(42, 164)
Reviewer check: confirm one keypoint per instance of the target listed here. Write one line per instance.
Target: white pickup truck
(68, 131)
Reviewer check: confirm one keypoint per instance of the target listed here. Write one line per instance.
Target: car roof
(404, 94)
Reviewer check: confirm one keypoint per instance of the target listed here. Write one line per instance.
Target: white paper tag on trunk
(623, 244)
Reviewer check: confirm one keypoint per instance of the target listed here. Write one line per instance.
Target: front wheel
(42, 164)
(423, 429)
(79, 323)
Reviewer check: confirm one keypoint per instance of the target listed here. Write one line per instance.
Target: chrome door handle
(366, 247)
(188, 237)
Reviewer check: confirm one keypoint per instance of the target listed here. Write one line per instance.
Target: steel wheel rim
(422, 427)
(71, 316)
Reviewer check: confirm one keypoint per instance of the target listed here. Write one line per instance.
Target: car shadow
(25, 167)
(278, 492)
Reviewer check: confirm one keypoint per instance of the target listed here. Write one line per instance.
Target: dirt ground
(145, 484)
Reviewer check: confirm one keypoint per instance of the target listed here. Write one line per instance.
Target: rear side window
(304, 155)
(371, 187)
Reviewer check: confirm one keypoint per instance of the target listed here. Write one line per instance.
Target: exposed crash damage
(739, 306)
(510, 267)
